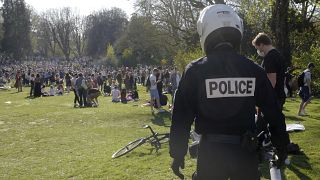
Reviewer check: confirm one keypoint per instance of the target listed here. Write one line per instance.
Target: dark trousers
(82, 96)
(281, 102)
(31, 89)
(76, 97)
(225, 161)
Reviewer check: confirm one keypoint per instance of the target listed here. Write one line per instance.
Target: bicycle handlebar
(149, 127)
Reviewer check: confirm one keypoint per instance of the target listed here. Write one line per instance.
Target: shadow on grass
(159, 118)
(315, 117)
(30, 97)
(294, 118)
(299, 162)
(285, 109)
(135, 154)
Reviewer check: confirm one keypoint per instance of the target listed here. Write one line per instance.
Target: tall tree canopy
(16, 26)
(103, 28)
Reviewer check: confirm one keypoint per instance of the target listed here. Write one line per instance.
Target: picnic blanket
(295, 127)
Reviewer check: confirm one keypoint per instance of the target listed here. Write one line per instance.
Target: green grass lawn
(46, 138)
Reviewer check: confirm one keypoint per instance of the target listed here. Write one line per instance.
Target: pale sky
(84, 7)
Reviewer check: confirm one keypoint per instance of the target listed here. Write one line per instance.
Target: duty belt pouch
(249, 141)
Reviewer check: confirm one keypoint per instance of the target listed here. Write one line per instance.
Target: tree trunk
(280, 29)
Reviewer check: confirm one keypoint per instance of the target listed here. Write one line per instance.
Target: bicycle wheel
(129, 147)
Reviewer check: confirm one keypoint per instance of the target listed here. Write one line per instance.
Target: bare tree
(79, 36)
(176, 18)
(62, 24)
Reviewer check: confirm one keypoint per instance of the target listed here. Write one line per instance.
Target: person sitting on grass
(51, 91)
(60, 90)
(115, 93)
(106, 89)
(123, 96)
(44, 93)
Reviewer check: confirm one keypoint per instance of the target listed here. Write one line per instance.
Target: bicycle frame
(154, 135)
(154, 139)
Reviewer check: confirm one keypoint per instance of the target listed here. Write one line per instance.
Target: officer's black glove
(282, 156)
(178, 163)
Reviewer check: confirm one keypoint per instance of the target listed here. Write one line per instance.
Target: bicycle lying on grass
(154, 139)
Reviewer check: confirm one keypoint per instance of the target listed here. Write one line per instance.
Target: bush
(182, 59)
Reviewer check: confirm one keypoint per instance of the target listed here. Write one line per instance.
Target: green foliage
(16, 25)
(164, 62)
(127, 58)
(111, 57)
(182, 58)
(144, 39)
(257, 14)
(104, 27)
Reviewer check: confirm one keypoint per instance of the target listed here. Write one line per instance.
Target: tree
(280, 28)
(147, 43)
(111, 57)
(127, 58)
(175, 18)
(256, 16)
(103, 28)
(79, 36)
(16, 25)
(303, 21)
(62, 24)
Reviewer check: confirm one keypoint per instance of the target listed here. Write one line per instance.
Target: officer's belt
(222, 138)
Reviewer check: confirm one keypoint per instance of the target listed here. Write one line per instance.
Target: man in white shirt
(154, 95)
(115, 94)
(305, 90)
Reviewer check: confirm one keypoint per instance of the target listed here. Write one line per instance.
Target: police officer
(220, 92)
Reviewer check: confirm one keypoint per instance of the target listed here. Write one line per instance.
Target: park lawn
(46, 138)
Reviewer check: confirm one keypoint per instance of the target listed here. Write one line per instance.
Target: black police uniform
(220, 92)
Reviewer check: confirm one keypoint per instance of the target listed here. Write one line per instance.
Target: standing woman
(37, 86)
(75, 91)
(19, 81)
(68, 82)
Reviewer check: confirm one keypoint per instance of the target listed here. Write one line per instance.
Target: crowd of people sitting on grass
(87, 80)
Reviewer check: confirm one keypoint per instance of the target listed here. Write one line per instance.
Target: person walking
(305, 90)
(220, 92)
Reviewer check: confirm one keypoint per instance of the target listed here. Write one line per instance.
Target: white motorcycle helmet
(219, 24)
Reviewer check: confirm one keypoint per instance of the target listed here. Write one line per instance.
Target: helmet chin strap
(223, 44)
